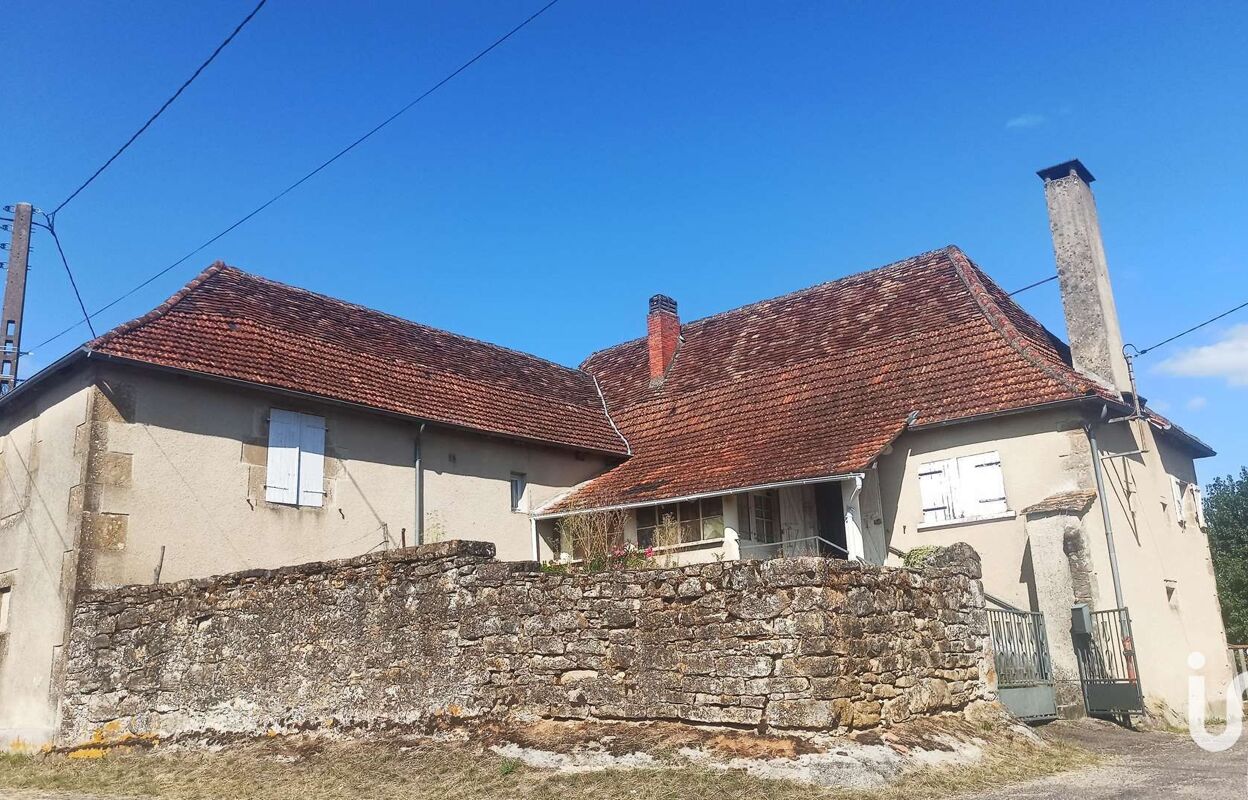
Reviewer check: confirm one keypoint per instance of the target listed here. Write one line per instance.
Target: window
(6, 594)
(966, 488)
(1182, 510)
(518, 484)
(602, 535)
(296, 472)
(763, 516)
(694, 520)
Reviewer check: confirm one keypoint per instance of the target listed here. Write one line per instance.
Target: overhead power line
(1193, 328)
(241, 220)
(1033, 285)
(51, 226)
(161, 110)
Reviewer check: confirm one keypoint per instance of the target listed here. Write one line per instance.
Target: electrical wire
(1033, 285)
(51, 226)
(311, 174)
(161, 110)
(1193, 328)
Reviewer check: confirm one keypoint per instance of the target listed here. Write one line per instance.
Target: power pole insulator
(14, 296)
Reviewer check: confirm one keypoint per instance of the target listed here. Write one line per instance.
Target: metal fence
(1239, 658)
(1110, 651)
(1105, 648)
(1021, 649)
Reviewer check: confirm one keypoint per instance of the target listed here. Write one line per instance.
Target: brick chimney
(662, 335)
(1083, 275)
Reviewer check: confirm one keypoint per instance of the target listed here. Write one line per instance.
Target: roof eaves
(538, 514)
(23, 388)
(325, 399)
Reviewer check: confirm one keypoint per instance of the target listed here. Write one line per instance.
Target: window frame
(295, 452)
(706, 520)
(518, 485)
(6, 608)
(968, 496)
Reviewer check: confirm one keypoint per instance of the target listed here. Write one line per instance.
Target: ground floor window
(671, 524)
(759, 514)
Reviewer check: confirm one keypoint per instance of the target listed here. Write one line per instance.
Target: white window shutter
(282, 479)
(935, 489)
(1198, 499)
(311, 460)
(982, 486)
(1176, 487)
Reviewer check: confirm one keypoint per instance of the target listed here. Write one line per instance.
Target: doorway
(830, 516)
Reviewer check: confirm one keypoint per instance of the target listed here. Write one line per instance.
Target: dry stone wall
(440, 633)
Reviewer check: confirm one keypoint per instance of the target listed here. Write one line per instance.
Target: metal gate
(1024, 670)
(1108, 670)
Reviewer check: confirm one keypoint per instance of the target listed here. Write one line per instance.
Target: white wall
(39, 468)
(115, 473)
(1044, 453)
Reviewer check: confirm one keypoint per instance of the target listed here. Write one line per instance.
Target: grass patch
(286, 770)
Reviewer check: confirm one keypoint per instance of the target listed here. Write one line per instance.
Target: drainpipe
(1109, 530)
(420, 489)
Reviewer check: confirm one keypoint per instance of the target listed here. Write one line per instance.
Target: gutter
(1055, 404)
(77, 354)
(717, 493)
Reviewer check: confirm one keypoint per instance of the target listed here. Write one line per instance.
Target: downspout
(420, 489)
(1109, 530)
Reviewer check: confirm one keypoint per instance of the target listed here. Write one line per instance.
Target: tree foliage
(1226, 513)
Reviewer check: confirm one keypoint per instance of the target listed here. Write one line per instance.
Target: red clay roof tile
(818, 382)
(232, 324)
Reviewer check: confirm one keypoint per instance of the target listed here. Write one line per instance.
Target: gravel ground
(1141, 765)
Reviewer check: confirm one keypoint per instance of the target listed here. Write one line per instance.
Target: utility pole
(15, 296)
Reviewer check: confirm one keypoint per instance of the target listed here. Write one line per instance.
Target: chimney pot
(662, 335)
(661, 302)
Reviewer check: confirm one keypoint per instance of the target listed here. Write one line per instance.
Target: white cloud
(1226, 358)
(1026, 121)
(1197, 403)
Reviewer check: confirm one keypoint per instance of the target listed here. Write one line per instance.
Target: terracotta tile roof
(1075, 501)
(232, 324)
(818, 382)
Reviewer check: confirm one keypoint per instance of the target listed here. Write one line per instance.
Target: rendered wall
(1044, 453)
(41, 474)
(443, 633)
(102, 468)
(196, 454)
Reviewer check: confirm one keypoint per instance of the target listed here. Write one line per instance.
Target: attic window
(296, 470)
(966, 488)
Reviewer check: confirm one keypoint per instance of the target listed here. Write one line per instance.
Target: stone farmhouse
(247, 424)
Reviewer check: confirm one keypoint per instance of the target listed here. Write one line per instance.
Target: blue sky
(719, 153)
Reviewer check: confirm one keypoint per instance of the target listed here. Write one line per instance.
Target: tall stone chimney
(662, 334)
(1083, 274)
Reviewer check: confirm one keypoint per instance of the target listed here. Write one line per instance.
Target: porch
(834, 517)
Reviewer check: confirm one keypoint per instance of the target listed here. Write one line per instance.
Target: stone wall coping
(434, 551)
(958, 559)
